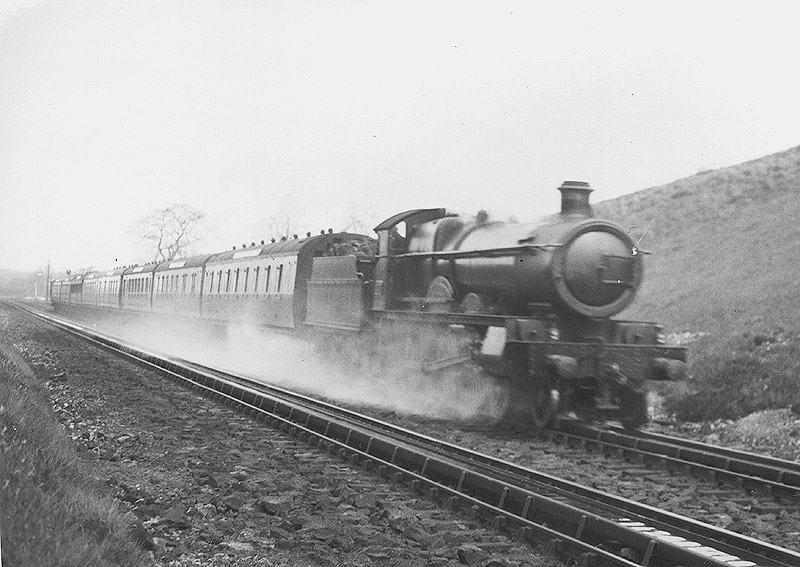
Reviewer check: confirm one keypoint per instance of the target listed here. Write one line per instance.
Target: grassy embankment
(50, 513)
(726, 268)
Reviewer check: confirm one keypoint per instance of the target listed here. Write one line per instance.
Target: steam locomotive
(529, 303)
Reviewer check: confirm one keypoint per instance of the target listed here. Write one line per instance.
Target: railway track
(759, 473)
(594, 527)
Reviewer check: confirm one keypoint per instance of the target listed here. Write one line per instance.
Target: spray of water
(459, 393)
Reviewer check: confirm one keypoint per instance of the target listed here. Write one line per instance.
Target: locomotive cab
(392, 284)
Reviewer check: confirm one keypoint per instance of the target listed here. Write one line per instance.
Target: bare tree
(171, 231)
(360, 222)
(282, 225)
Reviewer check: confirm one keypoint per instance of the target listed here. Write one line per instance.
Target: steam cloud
(292, 363)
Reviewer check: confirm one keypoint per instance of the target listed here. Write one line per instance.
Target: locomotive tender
(530, 303)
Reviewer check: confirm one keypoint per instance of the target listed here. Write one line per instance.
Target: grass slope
(725, 263)
(51, 515)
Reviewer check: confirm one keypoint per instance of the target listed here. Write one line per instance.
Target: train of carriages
(530, 303)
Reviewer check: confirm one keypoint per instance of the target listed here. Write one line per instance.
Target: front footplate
(636, 363)
(605, 381)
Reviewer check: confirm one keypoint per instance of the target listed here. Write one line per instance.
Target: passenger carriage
(108, 288)
(178, 285)
(137, 283)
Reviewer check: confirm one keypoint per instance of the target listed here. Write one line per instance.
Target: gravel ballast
(213, 487)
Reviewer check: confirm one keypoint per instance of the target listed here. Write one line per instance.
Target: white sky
(247, 108)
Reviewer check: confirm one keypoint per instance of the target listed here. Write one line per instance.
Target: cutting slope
(726, 263)
(725, 246)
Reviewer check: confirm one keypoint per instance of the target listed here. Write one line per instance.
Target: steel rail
(792, 466)
(473, 483)
(682, 530)
(778, 477)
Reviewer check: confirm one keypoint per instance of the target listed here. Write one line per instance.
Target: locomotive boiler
(571, 263)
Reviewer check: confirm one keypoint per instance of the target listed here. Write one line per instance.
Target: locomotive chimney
(575, 198)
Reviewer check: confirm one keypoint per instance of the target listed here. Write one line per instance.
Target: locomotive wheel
(544, 405)
(634, 405)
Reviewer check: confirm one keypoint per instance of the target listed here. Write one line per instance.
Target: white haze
(292, 363)
(325, 109)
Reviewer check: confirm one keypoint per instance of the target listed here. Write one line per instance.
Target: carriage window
(211, 283)
(227, 281)
(246, 276)
(194, 279)
(255, 280)
(236, 281)
(266, 285)
(280, 277)
(183, 283)
(219, 281)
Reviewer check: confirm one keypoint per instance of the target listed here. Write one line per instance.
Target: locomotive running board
(444, 318)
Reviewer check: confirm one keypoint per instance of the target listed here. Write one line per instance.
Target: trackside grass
(50, 514)
(740, 375)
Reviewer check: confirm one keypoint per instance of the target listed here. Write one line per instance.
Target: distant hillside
(17, 284)
(725, 244)
(725, 262)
